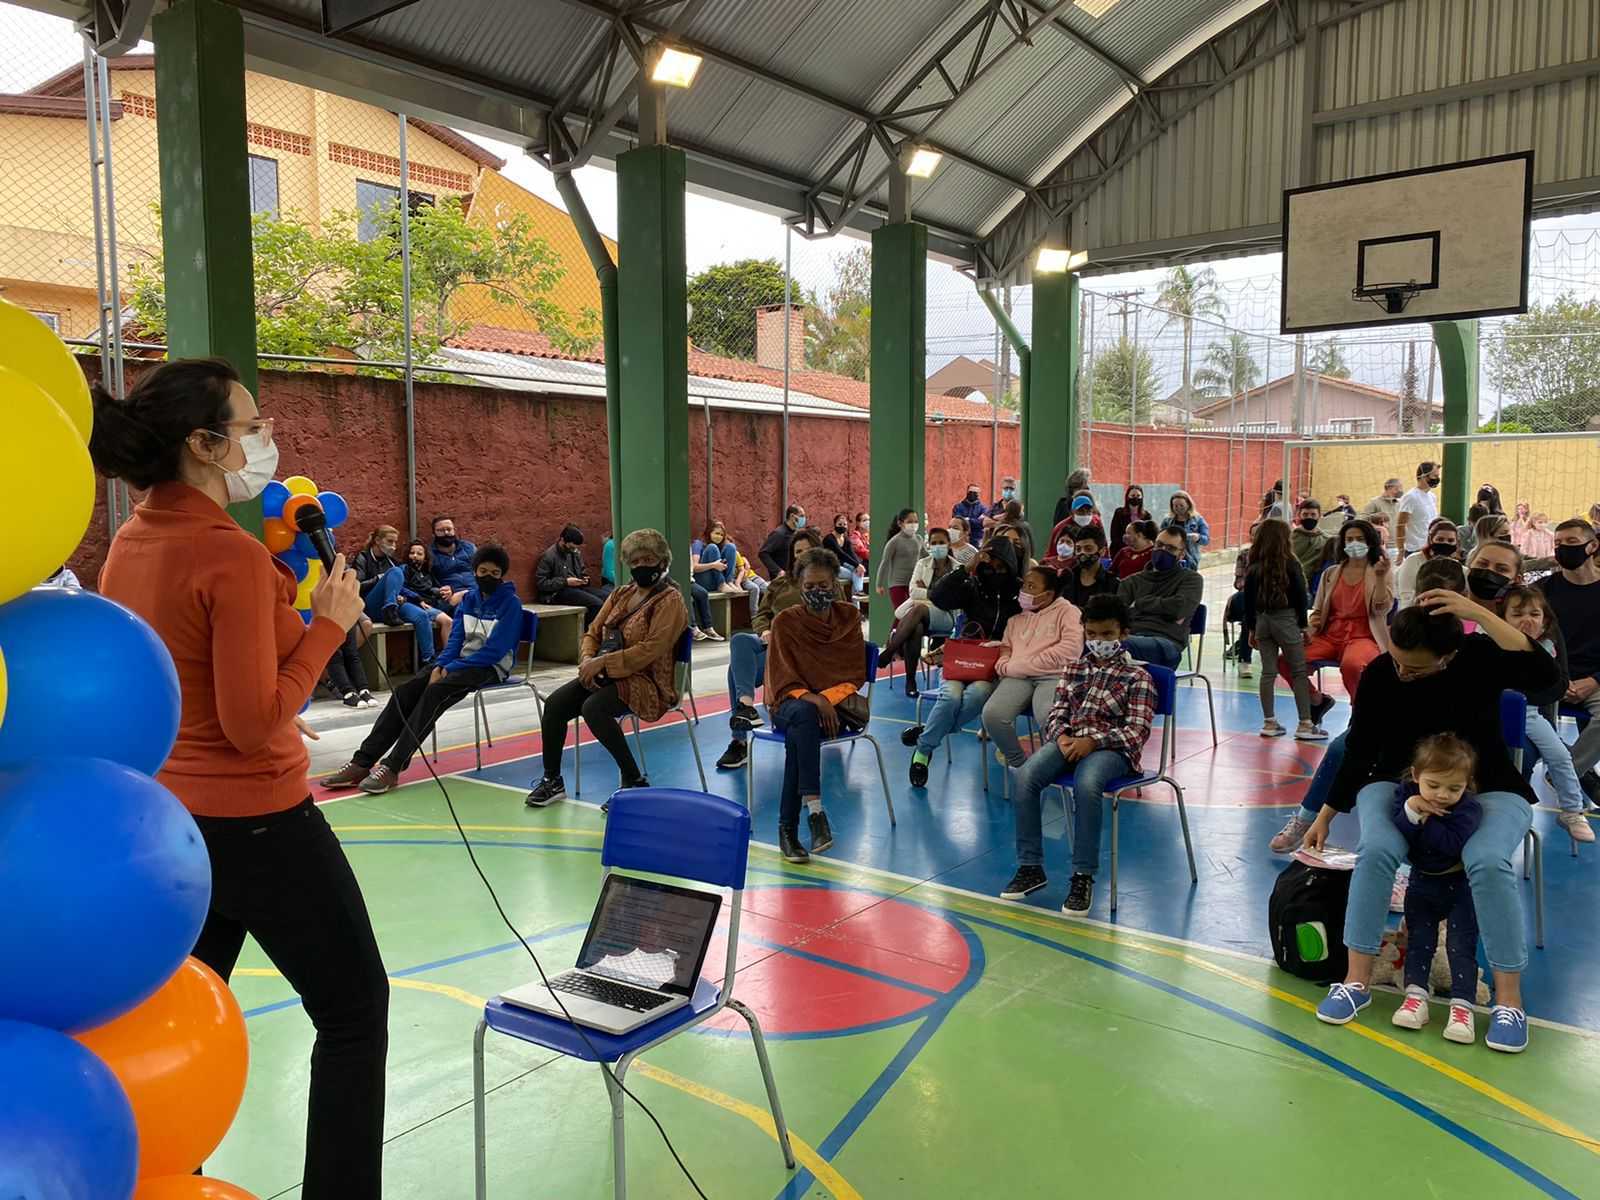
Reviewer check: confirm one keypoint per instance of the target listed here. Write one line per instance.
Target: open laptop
(640, 959)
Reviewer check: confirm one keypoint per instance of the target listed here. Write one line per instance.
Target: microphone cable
(466, 842)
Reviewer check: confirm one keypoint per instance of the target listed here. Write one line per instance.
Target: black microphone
(313, 522)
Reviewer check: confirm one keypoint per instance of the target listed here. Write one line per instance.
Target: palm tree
(1187, 294)
(1228, 368)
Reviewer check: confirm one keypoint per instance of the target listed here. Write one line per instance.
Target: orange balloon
(294, 504)
(278, 536)
(189, 1187)
(182, 1057)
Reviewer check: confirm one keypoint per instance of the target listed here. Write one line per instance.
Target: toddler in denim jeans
(1436, 814)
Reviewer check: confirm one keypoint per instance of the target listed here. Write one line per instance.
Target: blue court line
(836, 964)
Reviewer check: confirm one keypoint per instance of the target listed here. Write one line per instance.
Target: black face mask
(1572, 557)
(840, 527)
(1135, 501)
(444, 541)
(995, 580)
(972, 497)
(1308, 523)
(487, 585)
(1433, 481)
(1442, 549)
(1486, 585)
(645, 577)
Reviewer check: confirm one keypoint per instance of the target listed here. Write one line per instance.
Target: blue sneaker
(1343, 1002)
(1508, 1030)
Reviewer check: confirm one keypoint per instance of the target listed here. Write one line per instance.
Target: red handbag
(969, 660)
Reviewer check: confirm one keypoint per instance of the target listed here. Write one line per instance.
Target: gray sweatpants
(1279, 630)
(1011, 697)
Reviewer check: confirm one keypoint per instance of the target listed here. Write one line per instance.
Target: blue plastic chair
(692, 836)
(1514, 728)
(684, 677)
(842, 739)
(480, 710)
(1197, 629)
(1165, 680)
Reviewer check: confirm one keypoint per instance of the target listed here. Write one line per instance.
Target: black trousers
(284, 880)
(600, 709)
(590, 598)
(1429, 900)
(413, 708)
(345, 672)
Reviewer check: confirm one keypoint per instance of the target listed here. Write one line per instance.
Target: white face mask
(955, 535)
(1099, 649)
(910, 527)
(260, 465)
(1356, 550)
(1084, 520)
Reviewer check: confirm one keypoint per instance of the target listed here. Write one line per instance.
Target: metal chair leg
(1183, 820)
(577, 757)
(694, 744)
(1210, 706)
(477, 741)
(480, 1164)
(1535, 843)
(638, 749)
(619, 1145)
(766, 1077)
(883, 774)
(1114, 807)
(694, 708)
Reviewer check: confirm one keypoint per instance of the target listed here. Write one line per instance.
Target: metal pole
(1086, 388)
(405, 333)
(1133, 386)
(705, 407)
(108, 290)
(994, 419)
(788, 300)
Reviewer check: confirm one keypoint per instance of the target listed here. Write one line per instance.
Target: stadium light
(674, 68)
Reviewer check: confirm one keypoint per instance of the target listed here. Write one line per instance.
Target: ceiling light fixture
(674, 68)
(923, 162)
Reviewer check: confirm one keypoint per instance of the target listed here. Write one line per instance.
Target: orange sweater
(246, 662)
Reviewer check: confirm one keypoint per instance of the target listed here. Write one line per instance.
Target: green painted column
(1050, 399)
(205, 190)
(650, 440)
(1458, 371)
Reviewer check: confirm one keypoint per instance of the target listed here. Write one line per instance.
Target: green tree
(839, 325)
(1413, 413)
(1327, 358)
(323, 290)
(1124, 382)
(1186, 295)
(723, 300)
(1546, 365)
(1228, 369)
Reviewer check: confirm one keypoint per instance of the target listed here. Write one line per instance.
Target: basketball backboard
(1433, 244)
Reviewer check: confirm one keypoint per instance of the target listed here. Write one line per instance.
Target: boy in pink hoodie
(1039, 643)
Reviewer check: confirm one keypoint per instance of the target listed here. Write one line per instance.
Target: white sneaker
(713, 636)
(1308, 731)
(1290, 836)
(1576, 824)
(1245, 672)
(699, 635)
(1271, 729)
(1413, 1010)
(1459, 1027)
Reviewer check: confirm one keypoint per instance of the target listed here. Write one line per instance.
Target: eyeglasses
(252, 425)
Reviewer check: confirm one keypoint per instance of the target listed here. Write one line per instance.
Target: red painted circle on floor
(831, 961)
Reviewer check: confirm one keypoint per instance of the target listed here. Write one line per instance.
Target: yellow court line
(805, 1154)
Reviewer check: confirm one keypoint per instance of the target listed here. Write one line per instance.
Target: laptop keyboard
(620, 995)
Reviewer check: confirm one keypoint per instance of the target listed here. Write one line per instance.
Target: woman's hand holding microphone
(337, 595)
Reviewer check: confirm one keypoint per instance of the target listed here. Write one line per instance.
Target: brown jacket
(815, 653)
(643, 670)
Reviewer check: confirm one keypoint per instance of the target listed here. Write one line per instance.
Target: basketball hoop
(1391, 297)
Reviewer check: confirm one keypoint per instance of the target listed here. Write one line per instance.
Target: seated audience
(774, 553)
(746, 579)
(1350, 612)
(482, 645)
(1014, 518)
(851, 569)
(715, 559)
(628, 665)
(961, 548)
(1574, 594)
(986, 597)
(1489, 497)
(816, 665)
(1132, 509)
(1080, 516)
(1491, 527)
(1077, 482)
(562, 577)
(1161, 600)
(383, 584)
(1196, 532)
(899, 557)
(747, 652)
(1541, 540)
(918, 615)
(1342, 506)
(860, 541)
(346, 675)
(1038, 644)
(1008, 493)
(421, 589)
(1084, 570)
(1102, 716)
(452, 560)
(1443, 541)
(703, 628)
(608, 561)
(1233, 611)
(1307, 542)
(970, 509)
(1139, 542)
(1019, 541)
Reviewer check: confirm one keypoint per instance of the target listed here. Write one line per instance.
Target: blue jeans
(1557, 761)
(1088, 784)
(1148, 648)
(958, 703)
(747, 663)
(1322, 778)
(418, 616)
(1507, 818)
(702, 606)
(802, 757)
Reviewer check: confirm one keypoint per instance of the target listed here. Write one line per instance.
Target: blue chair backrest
(1513, 719)
(1197, 623)
(872, 661)
(680, 653)
(530, 626)
(1166, 681)
(669, 831)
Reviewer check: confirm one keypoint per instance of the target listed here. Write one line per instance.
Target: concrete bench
(376, 659)
(730, 612)
(560, 636)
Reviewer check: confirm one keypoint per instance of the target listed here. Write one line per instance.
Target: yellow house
(312, 154)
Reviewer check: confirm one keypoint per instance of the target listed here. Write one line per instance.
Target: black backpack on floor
(1305, 918)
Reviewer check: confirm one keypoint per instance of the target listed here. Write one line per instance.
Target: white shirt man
(1418, 509)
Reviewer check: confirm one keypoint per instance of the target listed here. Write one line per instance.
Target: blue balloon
(88, 677)
(105, 887)
(303, 547)
(295, 561)
(273, 499)
(334, 508)
(66, 1128)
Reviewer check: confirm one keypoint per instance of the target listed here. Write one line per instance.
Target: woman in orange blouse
(190, 433)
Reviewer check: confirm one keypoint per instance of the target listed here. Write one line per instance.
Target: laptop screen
(649, 934)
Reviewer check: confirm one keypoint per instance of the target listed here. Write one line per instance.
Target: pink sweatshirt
(1040, 644)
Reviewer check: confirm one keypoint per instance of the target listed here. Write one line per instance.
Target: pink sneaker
(1459, 1027)
(1413, 1010)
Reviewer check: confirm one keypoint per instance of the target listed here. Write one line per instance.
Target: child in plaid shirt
(1104, 707)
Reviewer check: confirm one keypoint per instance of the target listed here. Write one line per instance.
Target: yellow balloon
(302, 595)
(37, 354)
(46, 467)
(299, 485)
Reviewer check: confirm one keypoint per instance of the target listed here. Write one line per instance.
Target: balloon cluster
(281, 504)
(122, 1059)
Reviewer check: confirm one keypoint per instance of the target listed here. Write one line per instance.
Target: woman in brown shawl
(627, 665)
(816, 662)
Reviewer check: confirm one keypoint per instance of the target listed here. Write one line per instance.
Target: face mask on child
(937, 553)
(1028, 601)
(1101, 649)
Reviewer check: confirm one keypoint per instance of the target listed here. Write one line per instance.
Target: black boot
(789, 845)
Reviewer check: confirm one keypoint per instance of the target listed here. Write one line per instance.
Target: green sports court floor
(927, 1042)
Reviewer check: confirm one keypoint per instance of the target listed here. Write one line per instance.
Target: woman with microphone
(190, 434)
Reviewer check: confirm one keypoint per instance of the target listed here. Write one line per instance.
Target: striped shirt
(1110, 700)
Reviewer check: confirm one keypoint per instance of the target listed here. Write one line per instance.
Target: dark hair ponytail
(140, 439)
